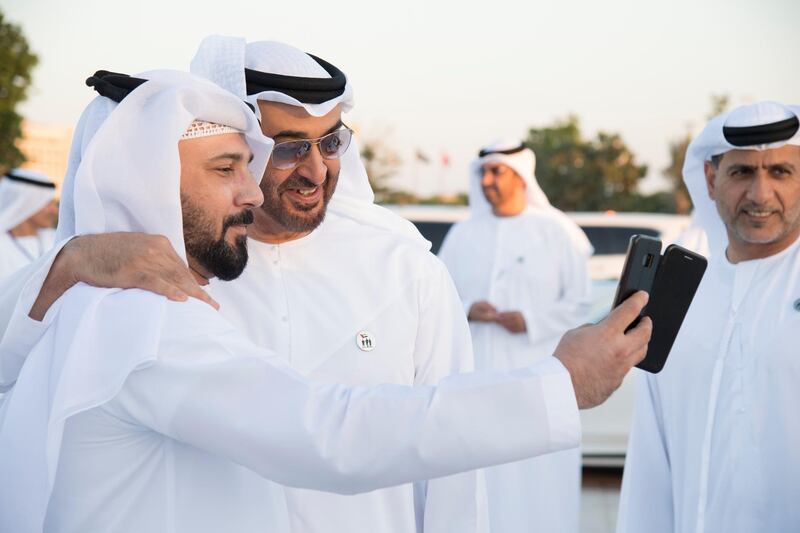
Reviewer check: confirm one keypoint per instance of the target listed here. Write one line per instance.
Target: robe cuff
(32, 287)
(22, 331)
(562, 407)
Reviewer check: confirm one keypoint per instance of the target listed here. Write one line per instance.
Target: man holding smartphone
(713, 445)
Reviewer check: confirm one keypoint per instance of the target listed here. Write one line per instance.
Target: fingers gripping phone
(671, 280)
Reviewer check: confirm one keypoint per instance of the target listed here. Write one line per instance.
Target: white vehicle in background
(605, 428)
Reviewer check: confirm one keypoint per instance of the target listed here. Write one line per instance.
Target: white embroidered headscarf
(224, 60)
(127, 179)
(713, 141)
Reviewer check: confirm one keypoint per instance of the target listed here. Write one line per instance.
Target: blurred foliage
(576, 173)
(579, 174)
(381, 163)
(677, 154)
(674, 173)
(16, 66)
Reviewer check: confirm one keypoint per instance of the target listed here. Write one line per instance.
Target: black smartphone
(671, 280)
(639, 270)
(680, 272)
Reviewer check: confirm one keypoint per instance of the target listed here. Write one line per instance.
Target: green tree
(677, 155)
(580, 174)
(674, 173)
(719, 103)
(16, 66)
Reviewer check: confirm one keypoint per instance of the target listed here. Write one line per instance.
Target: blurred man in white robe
(520, 267)
(27, 218)
(132, 412)
(713, 447)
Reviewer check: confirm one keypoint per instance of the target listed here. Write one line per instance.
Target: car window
(434, 232)
(611, 240)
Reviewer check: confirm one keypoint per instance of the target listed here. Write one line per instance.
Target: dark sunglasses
(494, 170)
(289, 154)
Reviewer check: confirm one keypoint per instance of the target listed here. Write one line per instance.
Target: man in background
(520, 267)
(28, 214)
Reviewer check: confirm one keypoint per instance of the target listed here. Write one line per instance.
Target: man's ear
(711, 176)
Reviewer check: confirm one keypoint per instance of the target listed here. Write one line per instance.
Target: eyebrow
(782, 164)
(235, 156)
(742, 166)
(304, 134)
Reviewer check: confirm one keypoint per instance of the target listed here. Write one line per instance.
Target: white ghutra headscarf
(22, 194)
(522, 161)
(277, 72)
(759, 126)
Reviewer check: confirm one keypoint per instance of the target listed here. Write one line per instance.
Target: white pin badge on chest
(365, 341)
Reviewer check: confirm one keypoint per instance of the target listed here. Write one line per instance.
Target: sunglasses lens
(287, 154)
(334, 145)
(495, 171)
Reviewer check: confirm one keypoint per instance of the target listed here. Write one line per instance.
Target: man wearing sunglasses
(344, 290)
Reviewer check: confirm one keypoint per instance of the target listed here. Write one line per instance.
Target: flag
(420, 156)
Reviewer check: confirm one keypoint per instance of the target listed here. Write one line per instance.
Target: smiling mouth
(306, 195)
(758, 214)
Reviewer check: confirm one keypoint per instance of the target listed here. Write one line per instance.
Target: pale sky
(448, 77)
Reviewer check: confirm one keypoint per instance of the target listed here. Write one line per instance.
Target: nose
(313, 167)
(486, 178)
(760, 190)
(249, 193)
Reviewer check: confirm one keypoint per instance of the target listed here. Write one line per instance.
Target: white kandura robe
(186, 443)
(714, 444)
(17, 252)
(525, 263)
(308, 299)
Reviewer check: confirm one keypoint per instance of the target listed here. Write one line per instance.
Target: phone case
(671, 280)
(680, 272)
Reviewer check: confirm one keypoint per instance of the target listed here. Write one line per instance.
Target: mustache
(298, 182)
(245, 217)
(752, 206)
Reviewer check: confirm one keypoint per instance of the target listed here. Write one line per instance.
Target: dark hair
(715, 159)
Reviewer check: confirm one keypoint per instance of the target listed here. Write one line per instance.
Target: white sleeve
(18, 293)
(574, 304)
(443, 347)
(448, 255)
(262, 415)
(646, 500)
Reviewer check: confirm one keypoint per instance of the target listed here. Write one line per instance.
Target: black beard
(221, 259)
(296, 219)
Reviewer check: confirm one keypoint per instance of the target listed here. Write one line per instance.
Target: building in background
(46, 148)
